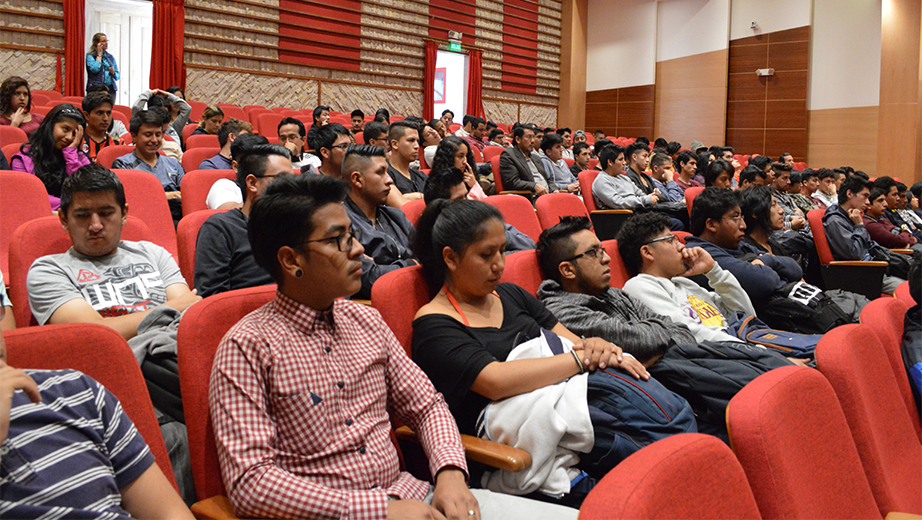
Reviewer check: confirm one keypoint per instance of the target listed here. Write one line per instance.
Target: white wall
(843, 74)
(771, 15)
(621, 44)
(679, 27)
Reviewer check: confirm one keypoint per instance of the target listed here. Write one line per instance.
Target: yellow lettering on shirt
(707, 314)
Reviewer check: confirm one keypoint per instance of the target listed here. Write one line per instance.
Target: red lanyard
(454, 304)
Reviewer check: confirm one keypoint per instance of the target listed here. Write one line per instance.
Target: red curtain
(166, 63)
(432, 50)
(475, 83)
(74, 50)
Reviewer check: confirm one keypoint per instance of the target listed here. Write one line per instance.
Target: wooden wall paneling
(691, 98)
(622, 112)
(573, 41)
(642, 93)
(788, 85)
(745, 59)
(786, 114)
(844, 137)
(746, 114)
(790, 140)
(746, 87)
(789, 55)
(746, 140)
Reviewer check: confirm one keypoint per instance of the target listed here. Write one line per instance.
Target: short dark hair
(440, 183)
(373, 130)
(916, 190)
(760, 161)
(358, 156)
(174, 89)
(144, 117)
(556, 246)
(158, 101)
(637, 231)
(244, 142)
(609, 154)
(712, 203)
(579, 147)
(876, 191)
(327, 135)
(319, 110)
(232, 126)
(808, 173)
(291, 121)
(660, 159)
(601, 144)
(751, 173)
(782, 156)
(383, 115)
(755, 206)
(477, 121)
(253, 161)
(633, 148)
(643, 140)
(496, 132)
(714, 170)
(398, 129)
(563, 130)
(825, 173)
(283, 215)
(854, 184)
(550, 140)
(519, 131)
(94, 100)
(685, 156)
(447, 111)
(357, 113)
(467, 119)
(885, 183)
(780, 168)
(91, 178)
(673, 147)
(660, 142)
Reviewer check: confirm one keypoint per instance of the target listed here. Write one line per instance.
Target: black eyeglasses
(343, 240)
(342, 146)
(596, 252)
(671, 239)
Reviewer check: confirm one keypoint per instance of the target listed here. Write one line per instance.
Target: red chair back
(195, 186)
(518, 212)
(854, 362)
(570, 162)
(187, 237)
(187, 132)
(685, 476)
(497, 176)
(200, 332)
(902, 293)
(43, 110)
(122, 109)
(9, 150)
(690, 195)
(109, 154)
(102, 354)
(146, 200)
(233, 111)
(12, 135)
(522, 268)
(454, 127)
(489, 152)
(791, 437)
(586, 178)
(126, 120)
(193, 156)
(478, 155)
(77, 101)
(267, 124)
(885, 317)
(413, 210)
(202, 141)
(29, 202)
(619, 273)
(397, 296)
(39, 99)
(551, 207)
(50, 94)
(44, 236)
(815, 217)
(198, 110)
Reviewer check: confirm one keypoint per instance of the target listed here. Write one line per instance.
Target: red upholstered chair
(885, 317)
(24, 199)
(552, 206)
(498, 179)
(791, 437)
(109, 154)
(9, 150)
(198, 110)
(522, 269)
(77, 101)
(570, 162)
(267, 124)
(199, 334)
(686, 476)
(682, 235)
(413, 210)
(44, 236)
(102, 354)
(202, 141)
(195, 186)
(489, 152)
(193, 156)
(126, 120)
(518, 212)
(233, 111)
(39, 99)
(12, 135)
(478, 155)
(606, 222)
(147, 201)
(863, 277)
(454, 127)
(42, 110)
(902, 294)
(690, 195)
(186, 238)
(253, 110)
(187, 132)
(122, 109)
(50, 94)
(856, 366)
(619, 273)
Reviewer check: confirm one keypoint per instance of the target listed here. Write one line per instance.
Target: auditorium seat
(267, 124)
(690, 195)
(233, 111)
(551, 207)
(29, 202)
(9, 150)
(202, 141)
(518, 212)
(195, 186)
(12, 135)
(50, 94)
(109, 154)
(413, 210)
(619, 273)
(498, 179)
(186, 239)
(862, 277)
(902, 293)
(147, 201)
(606, 222)
(198, 109)
(187, 132)
(193, 156)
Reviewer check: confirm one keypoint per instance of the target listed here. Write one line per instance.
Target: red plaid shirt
(478, 143)
(300, 402)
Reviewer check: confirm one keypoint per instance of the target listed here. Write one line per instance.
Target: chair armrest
(363, 302)
(612, 212)
(214, 508)
(516, 192)
(895, 515)
(860, 263)
(486, 452)
(902, 251)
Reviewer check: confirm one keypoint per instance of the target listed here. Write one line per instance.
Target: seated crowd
(304, 389)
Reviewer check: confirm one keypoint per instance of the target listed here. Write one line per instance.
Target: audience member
(597, 135)
(904, 204)
(223, 255)
(478, 128)
(787, 158)
(519, 170)
(662, 176)
(321, 116)
(101, 67)
(554, 166)
(147, 134)
(16, 105)
(291, 136)
(465, 131)
(830, 180)
(177, 109)
(764, 163)
(880, 228)
(357, 118)
(229, 132)
(382, 115)
(762, 216)
(53, 151)
(332, 140)
(429, 139)
(225, 193)
(212, 117)
(97, 109)
(403, 145)
(892, 193)
(454, 152)
(719, 173)
(581, 157)
(375, 134)
(579, 136)
(496, 138)
(705, 158)
(448, 117)
(686, 164)
(810, 182)
(912, 332)
(567, 134)
(440, 127)
(176, 91)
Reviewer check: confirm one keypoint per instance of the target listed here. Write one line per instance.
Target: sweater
(847, 240)
(759, 281)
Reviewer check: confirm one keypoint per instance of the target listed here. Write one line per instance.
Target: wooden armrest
(612, 212)
(860, 263)
(216, 508)
(363, 302)
(516, 192)
(902, 251)
(487, 452)
(895, 515)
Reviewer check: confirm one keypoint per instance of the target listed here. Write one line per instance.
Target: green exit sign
(454, 47)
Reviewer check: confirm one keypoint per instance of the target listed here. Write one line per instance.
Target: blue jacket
(759, 281)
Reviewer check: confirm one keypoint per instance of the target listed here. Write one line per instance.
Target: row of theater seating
(840, 443)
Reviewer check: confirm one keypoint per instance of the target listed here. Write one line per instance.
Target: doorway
(128, 25)
(450, 84)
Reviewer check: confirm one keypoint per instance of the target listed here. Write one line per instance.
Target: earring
(298, 273)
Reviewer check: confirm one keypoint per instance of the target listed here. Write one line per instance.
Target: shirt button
(328, 349)
(362, 450)
(348, 422)
(340, 384)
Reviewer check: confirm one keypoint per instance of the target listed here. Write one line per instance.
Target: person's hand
(78, 138)
(757, 262)
(540, 190)
(411, 510)
(798, 222)
(111, 71)
(654, 198)
(573, 188)
(11, 380)
(292, 147)
(698, 261)
(452, 497)
(632, 366)
(174, 195)
(657, 192)
(597, 353)
(668, 175)
(185, 301)
(100, 48)
(469, 178)
(17, 117)
(855, 215)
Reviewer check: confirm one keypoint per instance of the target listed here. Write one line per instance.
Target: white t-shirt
(222, 192)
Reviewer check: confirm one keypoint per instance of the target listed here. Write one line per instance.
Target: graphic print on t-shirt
(705, 312)
(123, 289)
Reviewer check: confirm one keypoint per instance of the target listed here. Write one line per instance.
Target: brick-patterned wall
(31, 35)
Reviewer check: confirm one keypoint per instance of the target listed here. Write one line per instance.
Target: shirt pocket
(304, 421)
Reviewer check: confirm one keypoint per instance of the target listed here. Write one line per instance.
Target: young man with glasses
(223, 256)
(661, 266)
(383, 231)
(332, 141)
(577, 291)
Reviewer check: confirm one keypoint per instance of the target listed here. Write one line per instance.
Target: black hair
(243, 142)
(760, 161)
(477, 121)
(564, 130)
(684, 157)
(455, 224)
(232, 126)
(174, 89)
(854, 184)
(660, 142)
(162, 113)
(703, 162)
(548, 130)
(47, 160)
(885, 183)
(555, 245)
(158, 101)
(444, 157)
(808, 173)
(659, 159)
(327, 135)
(601, 144)
(550, 139)
(634, 233)
(398, 129)
(91, 178)
(283, 215)
(673, 147)
(825, 173)
(9, 87)
(383, 116)
(319, 110)
(609, 154)
(861, 174)
(491, 125)
(94, 100)
(496, 132)
(579, 147)
(916, 190)
(876, 191)
(97, 87)
(150, 117)
(357, 113)
(714, 170)
(643, 140)
(440, 182)
(780, 168)
(447, 111)
(782, 156)
(253, 162)
(519, 131)
(755, 206)
(373, 130)
(358, 156)
(633, 148)
(726, 149)
(751, 173)
(712, 203)
(796, 177)
(291, 121)
(467, 119)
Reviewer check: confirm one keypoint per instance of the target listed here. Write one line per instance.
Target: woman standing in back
(100, 65)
